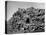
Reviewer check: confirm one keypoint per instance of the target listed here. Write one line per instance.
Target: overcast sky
(12, 6)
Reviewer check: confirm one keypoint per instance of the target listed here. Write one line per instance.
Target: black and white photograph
(24, 17)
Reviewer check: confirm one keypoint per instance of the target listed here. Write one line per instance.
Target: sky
(12, 6)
